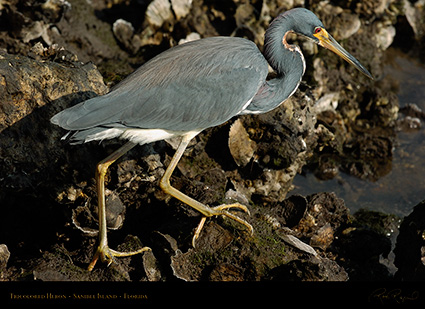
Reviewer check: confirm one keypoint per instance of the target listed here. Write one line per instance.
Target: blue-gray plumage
(189, 88)
(180, 90)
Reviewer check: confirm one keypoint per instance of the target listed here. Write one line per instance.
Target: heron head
(307, 24)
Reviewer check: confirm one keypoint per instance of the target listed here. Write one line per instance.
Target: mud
(59, 53)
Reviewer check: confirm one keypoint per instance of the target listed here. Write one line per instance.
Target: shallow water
(404, 187)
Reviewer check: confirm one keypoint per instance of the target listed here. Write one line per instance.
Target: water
(404, 187)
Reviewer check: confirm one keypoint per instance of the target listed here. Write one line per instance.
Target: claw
(220, 210)
(107, 255)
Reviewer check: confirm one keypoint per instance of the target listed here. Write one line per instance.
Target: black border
(206, 293)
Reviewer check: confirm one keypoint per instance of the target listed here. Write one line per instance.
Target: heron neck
(287, 61)
(284, 58)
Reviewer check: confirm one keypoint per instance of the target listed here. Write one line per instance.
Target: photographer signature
(396, 295)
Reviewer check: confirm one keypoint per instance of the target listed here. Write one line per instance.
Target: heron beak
(327, 41)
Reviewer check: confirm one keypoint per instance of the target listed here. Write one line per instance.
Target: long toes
(222, 211)
(107, 255)
(124, 254)
(241, 221)
(235, 205)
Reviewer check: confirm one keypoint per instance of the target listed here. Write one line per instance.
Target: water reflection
(404, 186)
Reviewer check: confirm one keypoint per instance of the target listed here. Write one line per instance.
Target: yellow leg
(204, 209)
(103, 251)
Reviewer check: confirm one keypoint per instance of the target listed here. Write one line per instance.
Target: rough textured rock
(31, 92)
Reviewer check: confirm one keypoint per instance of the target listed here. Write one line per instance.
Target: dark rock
(323, 209)
(226, 272)
(115, 211)
(363, 246)
(33, 160)
(31, 92)
(291, 211)
(309, 270)
(410, 246)
(151, 267)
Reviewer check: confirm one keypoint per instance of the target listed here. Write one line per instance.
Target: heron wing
(193, 86)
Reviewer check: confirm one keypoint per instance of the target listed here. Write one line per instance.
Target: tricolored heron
(189, 88)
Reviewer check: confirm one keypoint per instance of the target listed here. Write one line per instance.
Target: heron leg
(204, 209)
(103, 251)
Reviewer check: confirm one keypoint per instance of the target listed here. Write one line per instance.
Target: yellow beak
(327, 41)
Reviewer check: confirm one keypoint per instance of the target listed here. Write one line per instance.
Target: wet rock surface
(58, 53)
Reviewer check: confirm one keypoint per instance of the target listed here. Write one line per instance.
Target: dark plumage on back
(192, 86)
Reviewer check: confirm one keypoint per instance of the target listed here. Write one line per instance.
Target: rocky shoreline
(59, 53)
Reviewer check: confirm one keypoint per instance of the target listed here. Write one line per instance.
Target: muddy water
(404, 187)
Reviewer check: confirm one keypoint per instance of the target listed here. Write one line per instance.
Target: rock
(220, 255)
(34, 162)
(158, 12)
(329, 102)
(180, 268)
(49, 275)
(324, 210)
(241, 146)
(4, 257)
(410, 246)
(364, 246)
(36, 30)
(151, 267)
(55, 9)
(409, 124)
(74, 27)
(410, 118)
(292, 210)
(413, 110)
(323, 237)
(348, 23)
(283, 140)
(84, 217)
(190, 37)
(226, 272)
(31, 92)
(235, 196)
(124, 33)
(115, 210)
(384, 35)
(83, 220)
(414, 15)
(181, 7)
(28, 29)
(244, 15)
(309, 270)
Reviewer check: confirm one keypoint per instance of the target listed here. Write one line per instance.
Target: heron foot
(221, 210)
(107, 255)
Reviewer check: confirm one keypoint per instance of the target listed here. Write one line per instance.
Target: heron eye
(317, 30)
